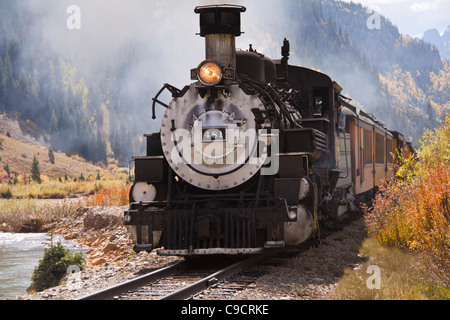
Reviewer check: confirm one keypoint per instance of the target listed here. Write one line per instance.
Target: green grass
(403, 276)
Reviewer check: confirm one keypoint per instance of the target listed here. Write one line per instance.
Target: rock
(110, 247)
(100, 218)
(97, 242)
(32, 288)
(90, 241)
(90, 251)
(98, 261)
(31, 226)
(4, 227)
(81, 211)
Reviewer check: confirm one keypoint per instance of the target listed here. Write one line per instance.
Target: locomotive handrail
(184, 201)
(173, 90)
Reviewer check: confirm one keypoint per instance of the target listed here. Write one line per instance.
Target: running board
(211, 251)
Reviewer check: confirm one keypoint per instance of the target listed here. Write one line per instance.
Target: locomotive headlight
(209, 73)
(143, 191)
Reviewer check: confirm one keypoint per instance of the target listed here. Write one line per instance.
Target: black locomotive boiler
(254, 154)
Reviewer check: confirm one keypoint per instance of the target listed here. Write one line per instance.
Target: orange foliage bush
(111, 196)
(386, 220)
(414, 213)
(429, 217)
(413, 210)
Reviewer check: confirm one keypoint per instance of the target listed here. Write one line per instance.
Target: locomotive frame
(321, 153)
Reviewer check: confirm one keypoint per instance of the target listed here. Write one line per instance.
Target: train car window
(321, 102)
(341, 121)
(390, 151)
(380, 155)
(318, 105)
(347, 124)
(368, 145)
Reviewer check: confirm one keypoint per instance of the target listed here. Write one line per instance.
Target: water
(19, 255)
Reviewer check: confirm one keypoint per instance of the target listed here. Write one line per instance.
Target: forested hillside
(89, 91)
(401, 81)
(412, 75)
(75, 110)
(41, 87)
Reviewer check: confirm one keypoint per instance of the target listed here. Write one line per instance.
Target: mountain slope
(441, 42)
(18, 148)
(89, 91)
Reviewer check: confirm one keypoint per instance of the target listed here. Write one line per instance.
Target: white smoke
(156, 37)
(162, 31)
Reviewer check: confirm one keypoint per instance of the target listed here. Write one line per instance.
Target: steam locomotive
(254, 154)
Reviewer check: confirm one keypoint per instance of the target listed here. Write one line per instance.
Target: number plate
(214, 134)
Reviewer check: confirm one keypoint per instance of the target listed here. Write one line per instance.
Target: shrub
(53, 266)
(413, 210)
(429, 216)
(5, 192)
(111, 196)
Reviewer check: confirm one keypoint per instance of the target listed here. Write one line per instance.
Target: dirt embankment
(99, 229)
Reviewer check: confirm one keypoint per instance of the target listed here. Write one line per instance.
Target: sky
(413, 17)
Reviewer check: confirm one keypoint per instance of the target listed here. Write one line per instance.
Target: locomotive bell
(220, 25)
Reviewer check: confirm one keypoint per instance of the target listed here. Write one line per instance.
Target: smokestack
(220, 25)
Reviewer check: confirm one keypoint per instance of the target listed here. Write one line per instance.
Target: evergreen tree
(35, 170)
(7, 81)
(51, 156)
(53, 123)
(8, 171)
(100, 148)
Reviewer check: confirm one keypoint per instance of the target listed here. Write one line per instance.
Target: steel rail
(111, 292)
(184, 293)
(214, 278)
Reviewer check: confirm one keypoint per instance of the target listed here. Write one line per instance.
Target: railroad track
(177, 282)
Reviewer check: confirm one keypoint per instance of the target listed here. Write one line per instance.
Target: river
(19, 255)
